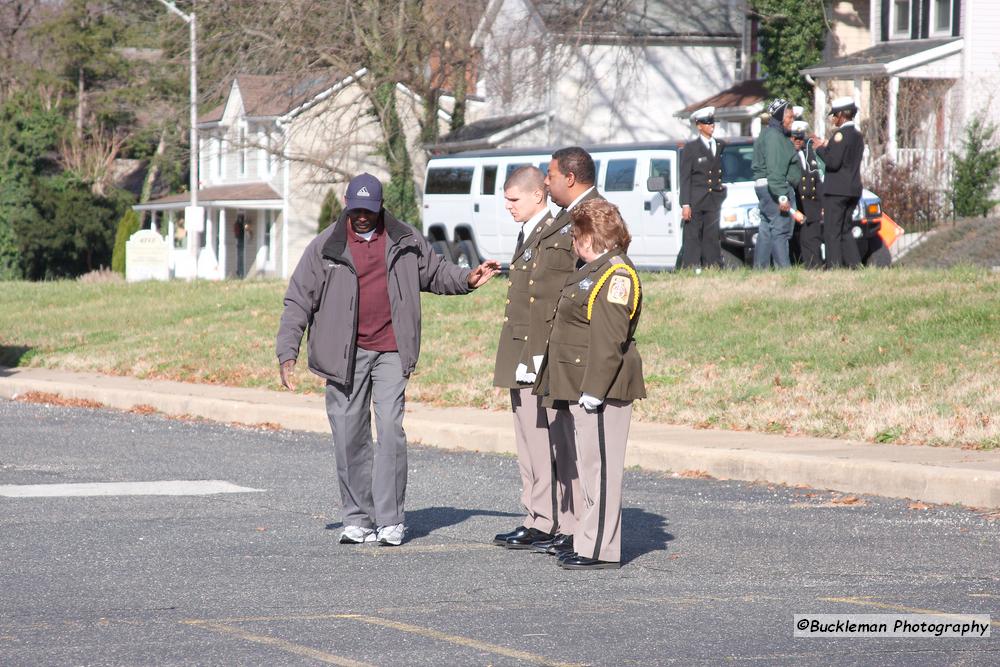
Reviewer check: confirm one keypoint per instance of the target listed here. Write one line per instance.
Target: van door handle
(475, 208)
(648, 206)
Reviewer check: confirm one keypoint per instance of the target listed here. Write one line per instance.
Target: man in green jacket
(775, 168)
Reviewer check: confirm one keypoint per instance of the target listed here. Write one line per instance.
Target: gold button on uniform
(531, 299)
(505, 319)
(531, 282)
(577, 360)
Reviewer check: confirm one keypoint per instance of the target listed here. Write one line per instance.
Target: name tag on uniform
(585, 284)
(527, 254)
(702, 158)
(565, 230)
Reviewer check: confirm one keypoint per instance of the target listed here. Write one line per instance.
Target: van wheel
(442, 249)
(881, 258)
(464, 254)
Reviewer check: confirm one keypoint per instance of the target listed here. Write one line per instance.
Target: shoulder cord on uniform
(604, 279)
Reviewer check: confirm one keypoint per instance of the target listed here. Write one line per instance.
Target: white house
(928, 68)
(552, 74)
(268, 156)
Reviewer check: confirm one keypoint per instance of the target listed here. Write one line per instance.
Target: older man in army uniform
(542, 259)
(702, 194)
(808, 193)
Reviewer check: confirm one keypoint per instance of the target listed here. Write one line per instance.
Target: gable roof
(275, 95)
(641, 18)
(740, 95)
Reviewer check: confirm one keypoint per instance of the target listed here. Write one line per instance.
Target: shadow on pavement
(642, 532)
(421, 522)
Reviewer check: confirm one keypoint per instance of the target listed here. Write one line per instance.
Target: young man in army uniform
(593, 371)
(842, 186)
(545, 488)
(809, 193)
(702, 194)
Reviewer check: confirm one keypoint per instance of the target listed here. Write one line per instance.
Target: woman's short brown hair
(601, 221)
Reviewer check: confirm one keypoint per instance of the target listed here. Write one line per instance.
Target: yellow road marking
(220, 626)
(297, 649)
(896, 607)
(461, 641)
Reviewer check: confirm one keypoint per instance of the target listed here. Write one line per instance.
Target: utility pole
(194, 215)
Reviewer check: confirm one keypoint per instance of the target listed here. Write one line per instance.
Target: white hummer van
(465, 220)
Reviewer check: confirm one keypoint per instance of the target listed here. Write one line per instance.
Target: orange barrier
(889, 231)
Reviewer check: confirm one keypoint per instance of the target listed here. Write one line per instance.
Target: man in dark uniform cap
(702, 193)
(808, 193)
(842, 185)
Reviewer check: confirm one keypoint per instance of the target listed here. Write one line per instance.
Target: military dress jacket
(592, 346)
(517, 313)
(843, 155)
(809, 190)
(701, 176)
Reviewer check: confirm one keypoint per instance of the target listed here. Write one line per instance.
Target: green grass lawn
(901, 356)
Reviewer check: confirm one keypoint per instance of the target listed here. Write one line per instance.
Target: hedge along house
(268, 156)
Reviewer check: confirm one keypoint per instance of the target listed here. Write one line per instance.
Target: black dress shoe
(567, 553)
(560, 549)
(583, 563)
(533, 535)
(558, 540)
(501, 539)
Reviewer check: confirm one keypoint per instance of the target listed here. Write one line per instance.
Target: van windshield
(737, 164)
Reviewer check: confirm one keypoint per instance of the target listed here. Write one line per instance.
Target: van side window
(737, 164)
(660, 168)
(489, 180)
(620, 176)
(544, 167)
(449, 180)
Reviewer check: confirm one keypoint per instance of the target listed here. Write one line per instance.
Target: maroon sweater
(374, 313)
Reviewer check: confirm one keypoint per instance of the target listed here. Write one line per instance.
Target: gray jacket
(323, 296)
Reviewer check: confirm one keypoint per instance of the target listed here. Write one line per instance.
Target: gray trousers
(601, 437)
(546, 457)
(371, 475)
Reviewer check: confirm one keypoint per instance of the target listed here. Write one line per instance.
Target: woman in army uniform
(592, 369)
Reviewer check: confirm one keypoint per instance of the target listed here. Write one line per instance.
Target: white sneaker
(356, 535)
(391, 536)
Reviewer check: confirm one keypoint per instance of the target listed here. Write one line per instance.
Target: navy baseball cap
(364, 191)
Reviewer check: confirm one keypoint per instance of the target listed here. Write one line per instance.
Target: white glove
(537, 360)
(522, 375)
(590, 402)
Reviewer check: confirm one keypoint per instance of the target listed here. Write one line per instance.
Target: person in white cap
(842, 186)
(701, 194)
(808, 233)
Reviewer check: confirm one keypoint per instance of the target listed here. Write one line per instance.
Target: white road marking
(164, 488)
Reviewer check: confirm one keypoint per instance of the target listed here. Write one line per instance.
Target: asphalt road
(714, 570)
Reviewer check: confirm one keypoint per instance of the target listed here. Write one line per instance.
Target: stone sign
(146, 257)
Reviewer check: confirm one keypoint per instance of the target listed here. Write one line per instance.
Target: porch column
(858, 101)
(152, 221)
(819, 107)
(891, 146)
(171, 229)
(223, 230)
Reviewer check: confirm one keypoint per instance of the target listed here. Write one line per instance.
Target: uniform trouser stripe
(555, 491)
(603, 503)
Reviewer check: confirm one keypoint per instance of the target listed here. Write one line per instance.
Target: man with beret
(357, 289)
(702, 193)
(775, 168)
(809, 193)
(842, 186)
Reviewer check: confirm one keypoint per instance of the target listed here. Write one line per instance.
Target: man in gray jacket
(357, 289)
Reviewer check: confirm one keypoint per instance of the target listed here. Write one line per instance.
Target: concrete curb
(930, 474)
